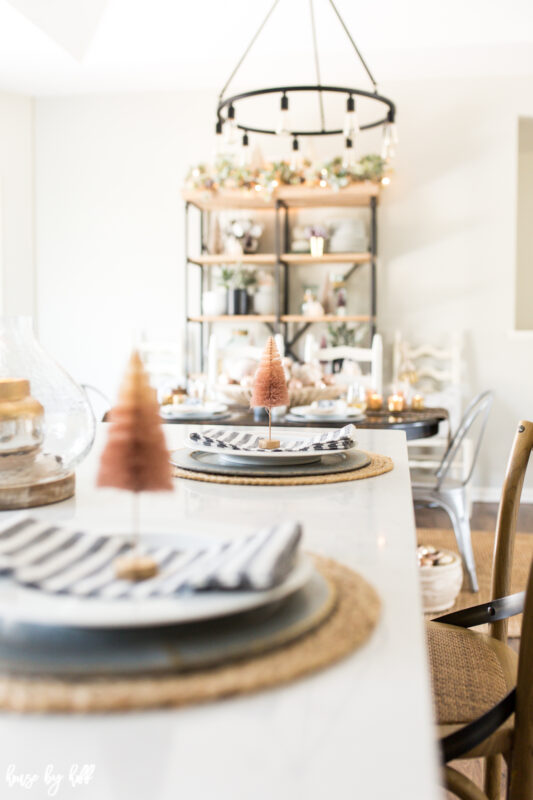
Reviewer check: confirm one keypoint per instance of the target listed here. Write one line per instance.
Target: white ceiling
(72, 46)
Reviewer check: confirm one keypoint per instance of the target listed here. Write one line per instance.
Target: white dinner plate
(190, 411)
(22, 605)
(334, 412)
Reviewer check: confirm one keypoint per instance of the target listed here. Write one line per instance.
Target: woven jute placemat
(347, 627)
(378, 465)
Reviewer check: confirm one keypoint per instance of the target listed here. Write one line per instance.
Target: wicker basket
(441, 585)
(238, 396)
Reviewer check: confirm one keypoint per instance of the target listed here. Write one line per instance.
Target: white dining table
(360, 730)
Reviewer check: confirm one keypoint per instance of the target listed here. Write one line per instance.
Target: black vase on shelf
(238, 302)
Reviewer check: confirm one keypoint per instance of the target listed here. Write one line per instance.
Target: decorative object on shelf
(317, 235)
(326, 295)
(264, 297)
(382, 109)
(374, 401)
(135, 457)
(242, 236)
(417, 403)
(348, 236)
(396, 402)
(214, 235)
(215, 302)
(270, 388)
(339, 291)
(46, 423)
(226, 174)
(441, 577)
(310, 306)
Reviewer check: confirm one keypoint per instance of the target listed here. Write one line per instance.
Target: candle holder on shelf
(417, 403)
(46, 423)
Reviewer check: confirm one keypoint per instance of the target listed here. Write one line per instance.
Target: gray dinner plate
(199, 461)
(38, 650)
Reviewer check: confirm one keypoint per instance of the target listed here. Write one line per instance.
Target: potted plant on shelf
(215, 301)
(240, 300)
(242, 236)
(317, 235)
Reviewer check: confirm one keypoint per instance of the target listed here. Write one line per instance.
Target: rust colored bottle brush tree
(270, 388)
(135, 457)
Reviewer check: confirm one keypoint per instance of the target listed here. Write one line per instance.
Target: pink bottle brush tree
(135, 457)
(270, 388)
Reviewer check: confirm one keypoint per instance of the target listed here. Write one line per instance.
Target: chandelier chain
(350, 37)
(253, 41)
(317, 65)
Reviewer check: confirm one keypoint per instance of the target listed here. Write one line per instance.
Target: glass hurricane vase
(43, 474)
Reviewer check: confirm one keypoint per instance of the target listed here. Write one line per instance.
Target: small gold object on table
(417, 403)
(269, 444)
(136, 568)
(396, 402)
(374, 401)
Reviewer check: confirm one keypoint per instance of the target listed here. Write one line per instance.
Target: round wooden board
(38, 494)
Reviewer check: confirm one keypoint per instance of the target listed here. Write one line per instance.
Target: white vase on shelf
(215, 302)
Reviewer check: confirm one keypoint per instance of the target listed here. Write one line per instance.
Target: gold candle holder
(396, 402)
(417, 403)
(374, 401)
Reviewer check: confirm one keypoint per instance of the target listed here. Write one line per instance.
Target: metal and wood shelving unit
(281, 202)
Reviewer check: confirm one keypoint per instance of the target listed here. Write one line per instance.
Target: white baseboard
(491, 494)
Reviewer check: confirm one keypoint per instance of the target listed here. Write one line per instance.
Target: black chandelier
(385, 109)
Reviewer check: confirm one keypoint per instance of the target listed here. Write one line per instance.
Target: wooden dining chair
(479, 682)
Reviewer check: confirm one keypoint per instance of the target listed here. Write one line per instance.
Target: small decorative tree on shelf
(135, 457)
(270, 388)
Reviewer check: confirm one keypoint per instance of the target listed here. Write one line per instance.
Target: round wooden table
(416, 424)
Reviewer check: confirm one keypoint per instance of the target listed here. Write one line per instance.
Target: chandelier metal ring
(226, 103)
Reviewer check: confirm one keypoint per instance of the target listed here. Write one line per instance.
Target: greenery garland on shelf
(228, 174)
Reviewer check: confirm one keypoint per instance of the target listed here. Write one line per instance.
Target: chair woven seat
(470, 672)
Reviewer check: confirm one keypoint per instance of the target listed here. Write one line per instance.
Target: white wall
(524, 228)
(16, 204)
(110, 237)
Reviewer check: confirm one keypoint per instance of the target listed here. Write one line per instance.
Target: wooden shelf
(358, 194)
(327, 258)
(233, 318)
(284, 318)
(212, 260)
(326, 318)
(269, 259)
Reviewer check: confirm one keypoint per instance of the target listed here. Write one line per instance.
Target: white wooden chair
(437, 373)
(162, 355)
(373, 356)
(216, 353)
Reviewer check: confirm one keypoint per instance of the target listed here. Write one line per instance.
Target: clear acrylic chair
(440, 489)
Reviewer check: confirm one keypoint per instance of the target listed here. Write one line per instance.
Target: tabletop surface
(416, 424)
(360, 729)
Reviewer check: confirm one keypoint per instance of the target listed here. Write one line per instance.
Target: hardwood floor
(483, 517)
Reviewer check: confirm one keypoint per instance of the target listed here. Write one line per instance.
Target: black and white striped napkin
(228, 439)
(67, 561)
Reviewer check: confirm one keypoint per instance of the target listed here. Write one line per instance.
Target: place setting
(227, 454)
(86, 619)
